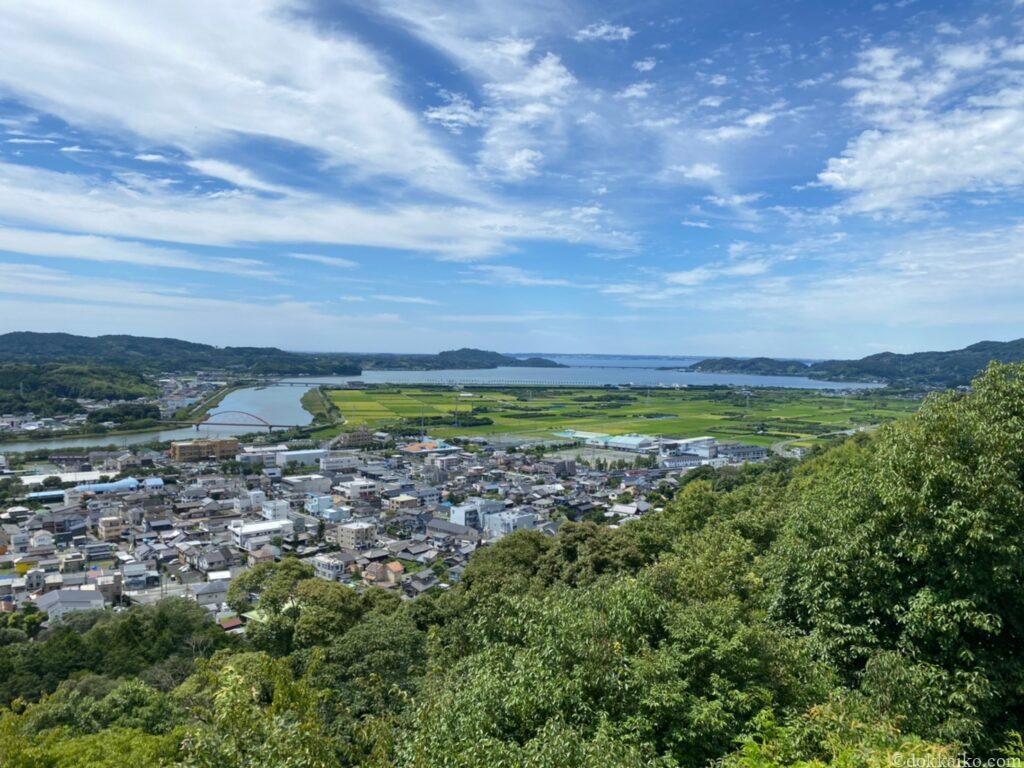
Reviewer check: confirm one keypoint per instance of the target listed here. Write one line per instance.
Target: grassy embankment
(764, 417)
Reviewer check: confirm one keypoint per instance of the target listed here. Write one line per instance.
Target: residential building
(501, 524)
(357, 535)
(252, 536)
(109, 528)
(60, 602)
(201, 450)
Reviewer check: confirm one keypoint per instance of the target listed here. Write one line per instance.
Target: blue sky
(809, 179)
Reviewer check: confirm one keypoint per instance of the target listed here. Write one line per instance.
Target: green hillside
(157, 355)
(919, 369)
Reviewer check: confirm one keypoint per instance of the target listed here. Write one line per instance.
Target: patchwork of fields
(761, 416)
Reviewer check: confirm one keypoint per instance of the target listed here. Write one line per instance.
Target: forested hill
(156, 355)
(929, 369)
(761, 366)
(465, 358)
(942, 369)
(860, 610)
(50, 389)
(159, 355)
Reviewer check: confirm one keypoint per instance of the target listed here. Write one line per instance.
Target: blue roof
(127, 484)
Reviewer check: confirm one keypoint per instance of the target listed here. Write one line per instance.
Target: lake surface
(594, 371)
(280, 405)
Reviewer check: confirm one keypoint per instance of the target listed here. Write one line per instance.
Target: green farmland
(764, 416)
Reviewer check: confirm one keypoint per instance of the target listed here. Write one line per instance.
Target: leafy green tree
(902, 559)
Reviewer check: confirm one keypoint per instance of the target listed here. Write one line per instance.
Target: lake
(280, 405)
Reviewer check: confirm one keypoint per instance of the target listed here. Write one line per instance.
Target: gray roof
(210, 587)
(69, 597)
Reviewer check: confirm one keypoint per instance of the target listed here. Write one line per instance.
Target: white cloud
(734, 201)
(753, 124)
(965, 57)
(329, 261)
(48, 199)
(695, 224)
(233, 174)
(965, 151)
(526, 117)
(390, 297)
(30, 141)
(605, 32)
(456, 114)
(922, 147)
(510, 275)
(698, 171)
(635, 91)
(224, 69)
(108, 250)
(151, 157)
(645, 65)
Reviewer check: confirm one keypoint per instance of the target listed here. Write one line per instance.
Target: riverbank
(277, 405)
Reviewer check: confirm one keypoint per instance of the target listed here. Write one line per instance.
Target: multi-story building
(201, 450)
(305, 458)
(252, 536)
(357, 535)
(109, 528)
(739, 452)
(503, 523)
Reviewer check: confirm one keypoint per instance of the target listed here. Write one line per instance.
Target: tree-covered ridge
(153, 355)
(931, 369)
(761, 366)
(50, 389)
(835, 612)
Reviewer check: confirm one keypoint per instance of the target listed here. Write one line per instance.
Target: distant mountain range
(159, 355)
(929, 369)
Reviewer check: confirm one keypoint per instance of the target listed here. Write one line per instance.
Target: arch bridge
(213, 420)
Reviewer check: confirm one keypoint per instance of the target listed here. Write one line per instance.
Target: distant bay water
(280, 405)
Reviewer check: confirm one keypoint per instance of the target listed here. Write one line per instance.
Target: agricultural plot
(763, 416)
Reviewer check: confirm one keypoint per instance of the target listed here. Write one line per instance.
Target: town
(116, 528)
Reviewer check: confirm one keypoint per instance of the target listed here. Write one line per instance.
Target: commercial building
(201, 450)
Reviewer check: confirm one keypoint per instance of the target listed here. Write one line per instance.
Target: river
(280, 405)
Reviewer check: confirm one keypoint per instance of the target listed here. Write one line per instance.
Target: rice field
(760, 416)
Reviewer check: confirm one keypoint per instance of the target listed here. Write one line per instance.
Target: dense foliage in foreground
(864, 603)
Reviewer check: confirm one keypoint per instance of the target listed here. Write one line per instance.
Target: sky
(786, 178)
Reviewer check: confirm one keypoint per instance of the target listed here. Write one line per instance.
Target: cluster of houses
(111, 528)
